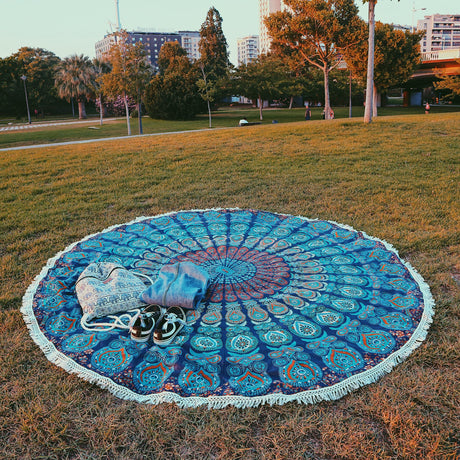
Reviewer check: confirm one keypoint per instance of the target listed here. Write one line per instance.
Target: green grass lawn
(396, 179)
(224, 117)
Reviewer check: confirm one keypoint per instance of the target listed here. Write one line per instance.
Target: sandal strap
(172, 318)
(123, 321)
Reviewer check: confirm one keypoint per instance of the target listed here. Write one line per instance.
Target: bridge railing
(452, 53)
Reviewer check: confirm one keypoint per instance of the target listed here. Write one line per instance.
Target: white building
(267, 7)
(442, 31)
(248, 49)
(103, 46)
(190, 41)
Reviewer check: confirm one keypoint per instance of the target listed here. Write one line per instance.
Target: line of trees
(38, 66)
(180, 90)
(312, 40)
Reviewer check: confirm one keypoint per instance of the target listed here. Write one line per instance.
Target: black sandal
(169, 325)
(145, 323)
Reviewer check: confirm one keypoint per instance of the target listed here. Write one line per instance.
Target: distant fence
(452, 53)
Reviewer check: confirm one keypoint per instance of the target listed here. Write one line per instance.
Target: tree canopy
(320, 30)
(75, 79)
(214, 63)
(173, 93)
(213, 46)
(396, 56)
(37, 65)
(129, 75)
(261, 79)
(450, 84)
(173, 57)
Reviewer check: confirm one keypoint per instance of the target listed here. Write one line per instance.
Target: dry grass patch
(396, 179)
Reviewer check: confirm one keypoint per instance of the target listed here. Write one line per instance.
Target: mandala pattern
(295, 307)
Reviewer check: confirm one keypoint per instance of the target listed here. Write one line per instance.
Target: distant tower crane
(118, 24)
(118, 15)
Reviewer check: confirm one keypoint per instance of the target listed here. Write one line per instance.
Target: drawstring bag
(181, 284)
(104, 289)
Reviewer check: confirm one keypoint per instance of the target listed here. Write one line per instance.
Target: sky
(68, 27)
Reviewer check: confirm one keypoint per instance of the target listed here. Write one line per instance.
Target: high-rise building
(248, 49)
(153, 41)
(190, 42)
(442, 31)
(103, 46)
(267, 7)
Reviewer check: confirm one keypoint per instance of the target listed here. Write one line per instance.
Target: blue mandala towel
(183, 284)
(296, 310)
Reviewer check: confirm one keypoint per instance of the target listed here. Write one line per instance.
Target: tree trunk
(291, 102)
(101, 109)
(261, 103)
(209, 114)
(370, 64)
(125, 99)
(207, 95)
(81, 110)
(139, 115)
(327, 103)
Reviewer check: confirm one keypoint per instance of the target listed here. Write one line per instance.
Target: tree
(214, 54)
(301, 78)
(173, 58)
(370, 63)
(38, 65)
(261, 79)
(101, 67)
(396, 56)
(129, 75)
(320, 30)
(207, 90)
(75, 79)
(173, 93)
(451, 83)
(173, 97)
(11, 94)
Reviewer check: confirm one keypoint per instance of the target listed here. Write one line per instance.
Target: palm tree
(74, 78)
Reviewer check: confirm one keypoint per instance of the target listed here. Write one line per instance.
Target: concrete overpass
(446, 62)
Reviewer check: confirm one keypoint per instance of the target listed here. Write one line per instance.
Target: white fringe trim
(218, 402)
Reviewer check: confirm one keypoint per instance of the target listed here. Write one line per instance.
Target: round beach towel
(297, 310)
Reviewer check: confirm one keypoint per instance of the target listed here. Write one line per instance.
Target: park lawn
(396, 179)
(225, 117)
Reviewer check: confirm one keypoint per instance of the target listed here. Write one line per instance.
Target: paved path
(89, 141)
(54, 123)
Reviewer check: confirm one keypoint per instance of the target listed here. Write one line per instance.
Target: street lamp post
(24, 78)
